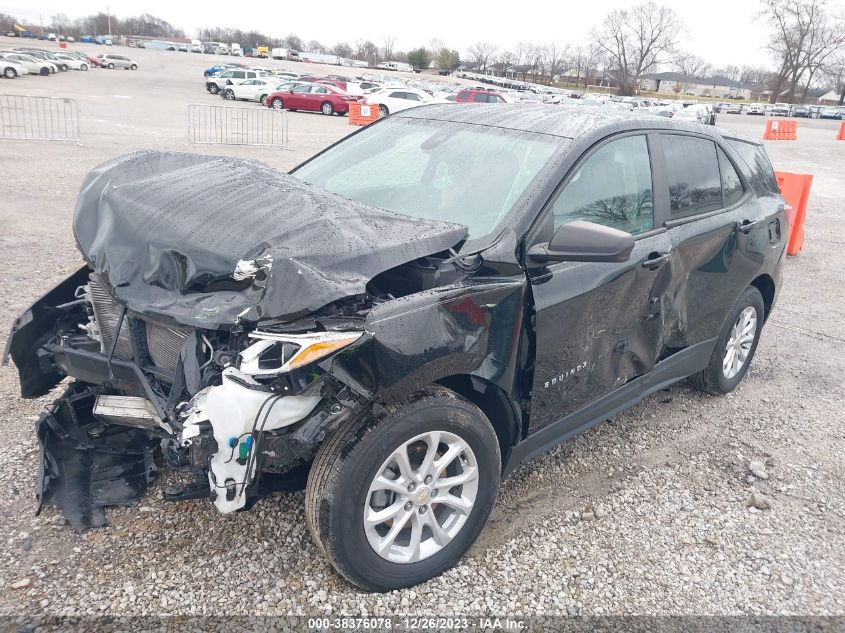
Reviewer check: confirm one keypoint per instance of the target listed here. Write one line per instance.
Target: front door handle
(656, 260)
(746, 226)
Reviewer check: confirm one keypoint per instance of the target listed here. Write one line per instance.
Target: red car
(337, 83)
(479, 95)
(314, 97)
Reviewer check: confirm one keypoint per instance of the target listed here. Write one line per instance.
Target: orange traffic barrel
(795, 188)
(841, 135)
(362, 113)
(781, 130)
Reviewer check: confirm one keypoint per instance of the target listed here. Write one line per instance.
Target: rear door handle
(746, 226)
(656, 260)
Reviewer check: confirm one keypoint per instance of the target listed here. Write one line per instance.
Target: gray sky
(721, 31)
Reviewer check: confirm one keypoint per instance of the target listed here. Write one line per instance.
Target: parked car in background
(219, 68)
(693, 115)
(801, 111)
(756, 109)
(780, 109)
(479, 95)
(390, 100)
(12, 69)
(44, 55)
(229, 77)
(117, 61)
(33, 65)
(734, 108)
(830, 112)
(312, 97)
(257, 89)
(73, 62)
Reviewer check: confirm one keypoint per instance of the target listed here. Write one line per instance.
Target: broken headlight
(274, 354)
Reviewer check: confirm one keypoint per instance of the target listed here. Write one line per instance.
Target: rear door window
(479, 97)
(692, 169)
(732, 190)
(612, 187)
(762, 175)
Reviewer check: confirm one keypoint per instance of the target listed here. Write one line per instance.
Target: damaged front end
(200, 346)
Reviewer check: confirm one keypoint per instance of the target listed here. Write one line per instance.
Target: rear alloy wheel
(64, 68)
(213, 88)
(111, 66)
(83, 67)
(229, 95)
(10, 73)
(735, 346)
(262, 100)
(278, 104)
(383, 111)
(396, 499)
(327, 108)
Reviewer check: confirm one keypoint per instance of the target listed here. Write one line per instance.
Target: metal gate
(39, 118)
(237, 126)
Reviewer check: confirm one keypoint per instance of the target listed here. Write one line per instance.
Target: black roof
(565, 121)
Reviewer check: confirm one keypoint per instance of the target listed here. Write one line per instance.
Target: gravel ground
(651, 513)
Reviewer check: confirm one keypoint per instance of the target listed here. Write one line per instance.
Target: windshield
(440, 170)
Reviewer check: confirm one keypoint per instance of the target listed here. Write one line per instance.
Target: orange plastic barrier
(781, 130)
(841, 135)
(362, 114)
(62, 44)
(796, 189)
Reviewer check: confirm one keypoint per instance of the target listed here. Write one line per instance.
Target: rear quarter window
(760, 172)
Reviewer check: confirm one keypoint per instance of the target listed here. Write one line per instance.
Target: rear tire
(111, 66)
(229, 95)
(44, 72)
(263, 100)
(346, 485)
(327, 108)
(10, 73)
(213, 88)
(83, 67)
(735, 346)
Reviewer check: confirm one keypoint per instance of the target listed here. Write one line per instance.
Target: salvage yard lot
(646, 514)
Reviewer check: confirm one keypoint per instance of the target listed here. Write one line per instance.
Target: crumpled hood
(210, 241)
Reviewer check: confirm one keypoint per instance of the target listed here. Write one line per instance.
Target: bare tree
(507, 59)
(389, 41)
(555, 58)
(804, 36)
(692, 66)
(636, 40)
(342, 49)
(482, 53)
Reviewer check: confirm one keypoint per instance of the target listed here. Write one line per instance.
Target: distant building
(828, 98)
(680, 84)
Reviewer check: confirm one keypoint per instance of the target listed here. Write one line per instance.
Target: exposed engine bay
(184, 347)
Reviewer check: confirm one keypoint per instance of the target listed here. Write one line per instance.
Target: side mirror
(582, 241)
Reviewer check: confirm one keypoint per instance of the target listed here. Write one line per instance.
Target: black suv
(398, 323)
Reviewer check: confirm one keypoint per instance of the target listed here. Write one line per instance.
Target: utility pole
(108, 12)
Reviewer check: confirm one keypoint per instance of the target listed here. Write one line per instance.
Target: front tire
(263, 100)
(278, 104)
(383, 111)
(111, 66)
(44, 72)
(396, 499)
(229, 95)
(133, 67)
(83, 67)
(735, 346)
(213, 88)
(10, 73)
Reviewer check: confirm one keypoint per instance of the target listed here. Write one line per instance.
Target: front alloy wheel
(278, 104)
(396, 498)
(10, 73)
(421, 497)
